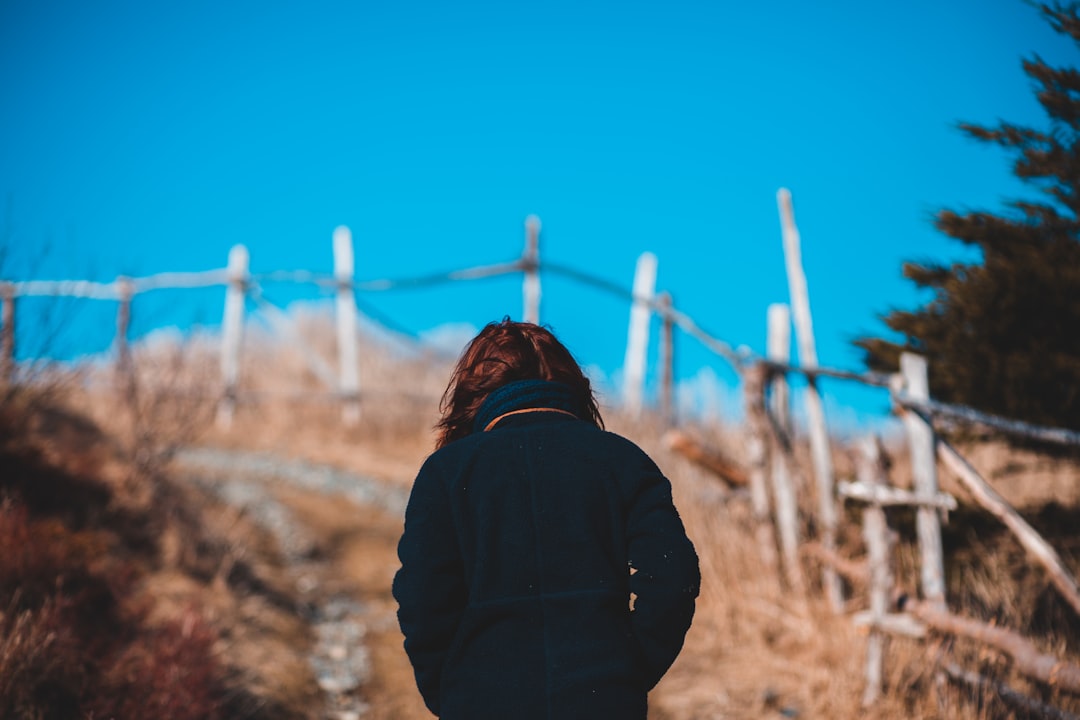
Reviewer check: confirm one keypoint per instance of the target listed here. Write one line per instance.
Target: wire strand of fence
(327, 280)
(933, 408)
(684, 321)
(298, 277)
(401, 333)
(474, 273)
(280, 320)
(874, 379)
(93, 290)
(312, 396)
(124, 287)
(113, 291)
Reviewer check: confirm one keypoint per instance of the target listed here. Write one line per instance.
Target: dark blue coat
(521, 549)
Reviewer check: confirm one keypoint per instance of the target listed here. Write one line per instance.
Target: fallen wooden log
(1029, 660)
(1032, 542)
(1013, 698)
(857, 571)
(708, 458)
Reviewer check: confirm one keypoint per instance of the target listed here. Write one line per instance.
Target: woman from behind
(528, 532)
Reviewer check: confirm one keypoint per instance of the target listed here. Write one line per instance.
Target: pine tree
(1003, 334)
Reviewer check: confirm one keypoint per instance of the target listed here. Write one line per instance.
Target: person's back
(516, 566)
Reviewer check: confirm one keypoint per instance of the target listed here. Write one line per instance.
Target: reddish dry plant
(73, 634)
(168, 672)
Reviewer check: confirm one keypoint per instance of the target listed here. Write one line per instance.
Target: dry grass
(126, 595)
(753, 651)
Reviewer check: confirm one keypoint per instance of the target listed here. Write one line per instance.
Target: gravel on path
(339, 660)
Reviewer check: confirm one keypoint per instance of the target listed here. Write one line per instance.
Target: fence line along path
(771, 435)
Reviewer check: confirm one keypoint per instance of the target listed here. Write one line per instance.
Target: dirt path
(338, 532)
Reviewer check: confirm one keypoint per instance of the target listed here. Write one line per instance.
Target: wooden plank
(345, 316)
(925, 481)
(637, 340)
(531, 262)
(1036, 547)
(232, 328)
(890, 496)
(66, 288)
(815, 414)
(892, 623)
(90, 290)
(787, 507)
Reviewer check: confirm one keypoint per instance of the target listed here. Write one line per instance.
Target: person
(545, 572)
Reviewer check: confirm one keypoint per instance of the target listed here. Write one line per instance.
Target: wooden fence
(771, 462)
(344, 384)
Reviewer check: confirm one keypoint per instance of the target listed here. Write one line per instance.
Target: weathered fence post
(637, 341)
(232, 329)
(924, 473)
(667, 360)
(348, 366)
(7, 332)
(531, 260)
(876, 535)
(787, 510)
(815, 415)
(125, 290)
(757, 424)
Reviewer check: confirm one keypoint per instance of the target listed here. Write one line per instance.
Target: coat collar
(525, 394)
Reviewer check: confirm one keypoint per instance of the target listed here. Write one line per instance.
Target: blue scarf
(523, 394)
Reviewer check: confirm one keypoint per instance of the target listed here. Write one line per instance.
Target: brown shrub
(170, 672)
(75, 640)
(42, 671)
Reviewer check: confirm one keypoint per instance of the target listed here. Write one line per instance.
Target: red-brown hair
(504, 352)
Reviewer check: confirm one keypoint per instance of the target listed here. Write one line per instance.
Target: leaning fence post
(757, 450)
(7, 332)
(1033, 543)
(667, 359)
(787, 510)
(924, 473)
(637, 341)
(348, 370)
(531, 262)
(815, 415)
(231, 332)
(876, 535)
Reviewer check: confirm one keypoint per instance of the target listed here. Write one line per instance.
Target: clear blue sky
(141, 137)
